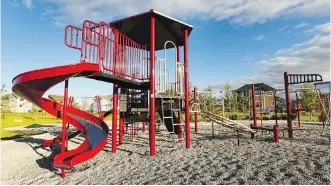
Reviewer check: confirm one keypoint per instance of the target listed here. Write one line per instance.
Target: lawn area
(24, 119)
(27, 119)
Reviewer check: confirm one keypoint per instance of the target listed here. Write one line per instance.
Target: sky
(235, 42)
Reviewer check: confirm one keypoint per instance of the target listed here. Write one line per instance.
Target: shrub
(273, 117)
(233, 117)
(265, 118)
(294, 115)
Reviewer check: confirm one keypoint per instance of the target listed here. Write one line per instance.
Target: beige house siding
(267, 100)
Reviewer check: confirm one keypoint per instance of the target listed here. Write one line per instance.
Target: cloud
(14, 3)
(240, 12)
(312, 56)
(324, 28)
(48, 11)
(283, 28)
(28, 4)
(246, 58)
(301, 25)
(259, 37)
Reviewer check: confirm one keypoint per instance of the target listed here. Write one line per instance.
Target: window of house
(259, 104)
(269, 93)
(273, 103)
(21, 105)
(21, 99)
(257, 93)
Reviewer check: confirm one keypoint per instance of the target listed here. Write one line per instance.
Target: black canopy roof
(258, 86)
(166, 29)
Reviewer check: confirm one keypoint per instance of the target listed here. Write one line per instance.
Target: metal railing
(163, 81)
(115, 53)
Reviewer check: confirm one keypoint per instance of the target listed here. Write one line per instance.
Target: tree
(227, 91)
(233, 102)
(230, 98)
(75, 104)
(5, 101)
(84, 104)
(206, 99)
(34, 109)
(309, 99)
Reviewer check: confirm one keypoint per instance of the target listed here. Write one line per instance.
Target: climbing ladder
(169, 105)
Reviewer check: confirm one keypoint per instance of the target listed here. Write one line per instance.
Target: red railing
(116, 53)
(73, 41)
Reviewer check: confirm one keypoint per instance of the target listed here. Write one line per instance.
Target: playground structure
(288, 79)
(123, 53)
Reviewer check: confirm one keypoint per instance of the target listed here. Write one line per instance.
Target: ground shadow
(41, 126)
(44, 162)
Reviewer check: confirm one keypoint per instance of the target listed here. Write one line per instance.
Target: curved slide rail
(32, 85)
(226, 122)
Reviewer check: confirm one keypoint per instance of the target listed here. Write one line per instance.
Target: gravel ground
(302, 160)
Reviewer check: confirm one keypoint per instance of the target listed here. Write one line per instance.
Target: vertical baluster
(77, 31)
(71, 29)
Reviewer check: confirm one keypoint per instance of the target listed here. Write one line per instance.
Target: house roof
(56, 98)
(137, 28)
(106, 97)
(258, 86)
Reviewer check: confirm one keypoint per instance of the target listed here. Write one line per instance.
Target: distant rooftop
(258, 86)
(137, 28)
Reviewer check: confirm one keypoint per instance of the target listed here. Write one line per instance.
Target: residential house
(56, 98)
(264, 96)
(88, 103)
(21, 105)
(106, 104)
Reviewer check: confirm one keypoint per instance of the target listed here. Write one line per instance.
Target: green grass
(27, 119)
(24, 119)
(307, 118)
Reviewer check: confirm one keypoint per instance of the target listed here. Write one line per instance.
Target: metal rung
(175, 109)
(167, 117)
(178, 124)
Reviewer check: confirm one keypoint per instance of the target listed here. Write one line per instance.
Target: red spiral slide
(32, 85)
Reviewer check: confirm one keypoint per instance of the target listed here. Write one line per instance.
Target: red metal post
(180, 134)
(187, 92)
(276, 133)
(195, 113)
(276, 107)
(121, 132)
(144, 126)
(298, 108)
(254, 105)
(64, 116)
(288, 105)
(115, 112)
(152, 89)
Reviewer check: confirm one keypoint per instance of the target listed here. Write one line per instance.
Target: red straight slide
(32, 85)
